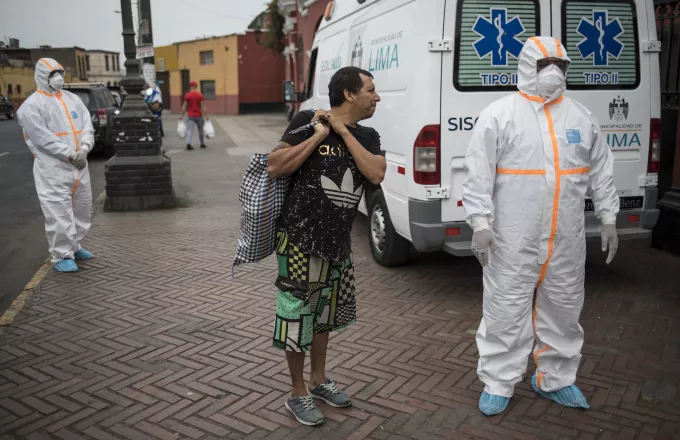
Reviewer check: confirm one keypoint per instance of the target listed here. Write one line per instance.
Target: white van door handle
(651, 46)
(439, 45)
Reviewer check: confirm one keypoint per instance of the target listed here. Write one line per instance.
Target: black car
(101, 104)
(6, 107)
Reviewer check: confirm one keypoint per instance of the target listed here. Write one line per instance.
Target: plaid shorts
(314, 296)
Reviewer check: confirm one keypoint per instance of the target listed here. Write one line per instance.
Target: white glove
(482, 239)
(79, 159)
(610, 239)
(481, 245)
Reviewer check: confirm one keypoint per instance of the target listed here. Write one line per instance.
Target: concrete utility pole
(138, 177)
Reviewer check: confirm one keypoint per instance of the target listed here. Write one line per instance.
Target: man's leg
(504, 338)
(559, 335)
(296, 365)
(335, 309)
(318, 356)
(293, 332)
(190, 131)
(294, 326)
(55, 202)
(82, 213)
(199, 123)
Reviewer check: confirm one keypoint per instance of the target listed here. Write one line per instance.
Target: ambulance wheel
(388, 247)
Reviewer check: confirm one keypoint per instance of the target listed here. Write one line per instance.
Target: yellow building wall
(224, 71)
(175, 83)
(23, 76)
(170, 56)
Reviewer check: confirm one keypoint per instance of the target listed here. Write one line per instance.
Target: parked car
(6, 107)
(101, 104)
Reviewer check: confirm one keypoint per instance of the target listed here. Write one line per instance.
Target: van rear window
(489, 37)
(602, 40)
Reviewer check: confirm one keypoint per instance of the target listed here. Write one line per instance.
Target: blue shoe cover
(66, 266)
(83, 254)
(490, 404)
(569, 396)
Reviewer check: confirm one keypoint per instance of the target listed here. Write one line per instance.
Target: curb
(33, 285)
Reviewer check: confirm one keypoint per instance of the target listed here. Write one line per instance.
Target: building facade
(260, 75)
(234, 72)
(17, 74)
(103, 66)
(72, 58)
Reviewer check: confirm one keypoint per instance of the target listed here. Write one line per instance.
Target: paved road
(153, 339)
(23, 246)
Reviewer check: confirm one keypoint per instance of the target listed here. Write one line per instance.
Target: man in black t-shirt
(329, 165)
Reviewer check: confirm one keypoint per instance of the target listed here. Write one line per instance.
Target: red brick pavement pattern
(154, 340)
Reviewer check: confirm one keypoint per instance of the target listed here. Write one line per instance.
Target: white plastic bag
(181, 129)
(208, 129)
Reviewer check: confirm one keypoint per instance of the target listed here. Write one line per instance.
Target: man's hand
(322, 129)
(79, 159)
(337, 126)
(610, 239)
(482, 242)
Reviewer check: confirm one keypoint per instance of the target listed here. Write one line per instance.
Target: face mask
(56, 82)
(551, 82)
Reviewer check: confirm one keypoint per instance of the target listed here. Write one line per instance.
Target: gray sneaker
(304, 410)
(330, 394)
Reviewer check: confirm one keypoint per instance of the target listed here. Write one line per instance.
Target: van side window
(489, 37)
(602, 40)
(309, 85)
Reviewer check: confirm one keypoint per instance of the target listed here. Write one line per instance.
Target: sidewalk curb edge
(20, 301)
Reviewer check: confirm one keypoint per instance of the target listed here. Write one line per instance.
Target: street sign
(144, 51)
(149, 74)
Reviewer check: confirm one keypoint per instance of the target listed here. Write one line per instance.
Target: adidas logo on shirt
(345, 196)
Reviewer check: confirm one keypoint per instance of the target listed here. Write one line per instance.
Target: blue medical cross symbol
(498, 36)
(600, 38)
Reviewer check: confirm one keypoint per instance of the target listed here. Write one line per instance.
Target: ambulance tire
(388, 248)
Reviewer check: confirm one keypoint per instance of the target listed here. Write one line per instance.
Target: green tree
(273, 24)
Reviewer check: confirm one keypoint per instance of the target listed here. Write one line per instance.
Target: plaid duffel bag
(262, 199)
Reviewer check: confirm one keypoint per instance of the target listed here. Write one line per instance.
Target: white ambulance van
(438, 63)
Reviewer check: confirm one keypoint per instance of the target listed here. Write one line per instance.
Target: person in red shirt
(195, 109)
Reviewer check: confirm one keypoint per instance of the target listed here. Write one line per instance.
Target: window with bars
(601, 38)
(206, 57)
(489, 37)
(208, 89)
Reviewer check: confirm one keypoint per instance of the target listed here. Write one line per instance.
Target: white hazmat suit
(529, 165)
(56, 123)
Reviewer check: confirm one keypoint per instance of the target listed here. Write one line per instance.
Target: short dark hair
(347, 78)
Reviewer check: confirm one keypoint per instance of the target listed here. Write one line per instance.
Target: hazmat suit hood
(43, 68)
(537, 48)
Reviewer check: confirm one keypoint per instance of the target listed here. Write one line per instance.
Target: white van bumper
(428, 232)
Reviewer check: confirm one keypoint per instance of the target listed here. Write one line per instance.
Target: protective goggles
(545, 62)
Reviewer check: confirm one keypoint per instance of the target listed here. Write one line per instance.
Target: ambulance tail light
(426, 154)
(654, 146)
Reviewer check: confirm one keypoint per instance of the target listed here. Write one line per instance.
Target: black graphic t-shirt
(325, 192)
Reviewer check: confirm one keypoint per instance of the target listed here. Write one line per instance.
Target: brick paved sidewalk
(152, 338)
